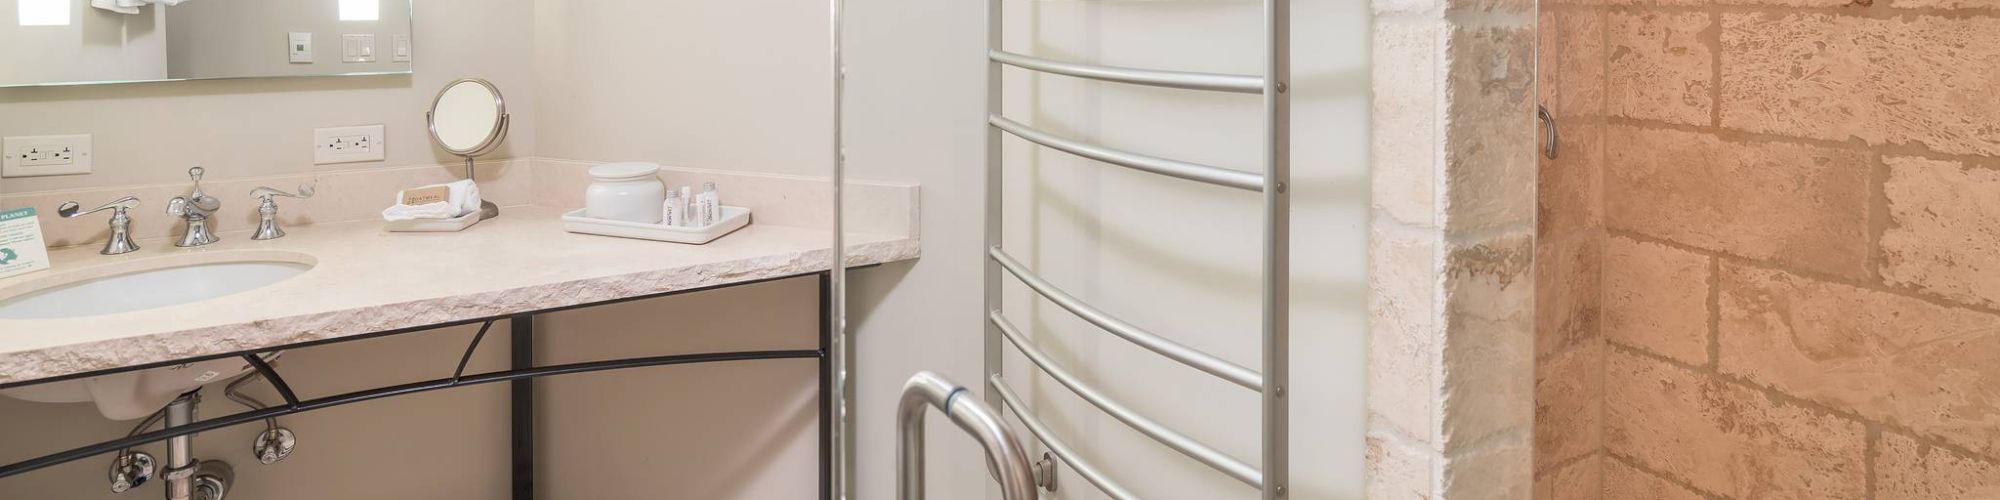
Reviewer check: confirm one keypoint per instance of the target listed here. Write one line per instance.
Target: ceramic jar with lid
(630, 192)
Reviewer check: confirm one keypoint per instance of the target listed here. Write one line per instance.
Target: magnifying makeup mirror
(468, 119)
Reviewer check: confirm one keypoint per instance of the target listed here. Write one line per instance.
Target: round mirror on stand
(468, 119)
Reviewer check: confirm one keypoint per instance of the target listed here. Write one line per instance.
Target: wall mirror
(468, 119)
(76, 42)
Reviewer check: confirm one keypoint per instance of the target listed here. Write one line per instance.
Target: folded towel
(131, 6)
(118, 6)
(463, 199)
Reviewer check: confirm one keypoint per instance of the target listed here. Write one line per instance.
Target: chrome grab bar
(1005, 458)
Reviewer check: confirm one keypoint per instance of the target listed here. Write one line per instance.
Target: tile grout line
(1634, 464)
(1868, 465)
(1714, 319)
(1770, 265)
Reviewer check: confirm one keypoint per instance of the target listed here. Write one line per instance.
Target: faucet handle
(70, 210)
(267, 209)
(121, 223)
(266, 193)
(196, 173)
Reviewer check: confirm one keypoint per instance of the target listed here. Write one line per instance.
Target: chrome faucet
(196, 208)
(121, 223)
(267, 210)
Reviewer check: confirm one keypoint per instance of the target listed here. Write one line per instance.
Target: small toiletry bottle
(674, 211)
(686, 206)
(711, 204)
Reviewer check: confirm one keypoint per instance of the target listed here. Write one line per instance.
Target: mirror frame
(493, 137)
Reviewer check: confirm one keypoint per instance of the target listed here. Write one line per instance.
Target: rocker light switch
(357, 48)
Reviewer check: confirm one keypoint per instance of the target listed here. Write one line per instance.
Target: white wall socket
(45, 155)
(349, 144)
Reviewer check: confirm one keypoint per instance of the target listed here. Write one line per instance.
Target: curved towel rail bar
(1057, 445)
(1232, 372)
(1219, 82)
(1172, 168)
(1173, 439)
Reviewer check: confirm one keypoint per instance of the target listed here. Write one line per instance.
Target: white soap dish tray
(733, 218)
(433, 225)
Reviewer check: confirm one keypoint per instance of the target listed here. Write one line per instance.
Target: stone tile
(1857, 4)
(1405, 117)
(1569, 396)
(1907, 469)
(1581, 480)
(1404, 6)
(1664, 3)
(1887, 357)
(1570, 187)
(1944, 4)
(1801, 205)
(1395, 471)
(1656, 299)
(1488, 351)
(1622, 482)
(1494, 6)
(1490, 147)
(1573, 62)
(1403, 282)
(1904, 80)
(1659, 67)
(1726, 438)
(1567, 292)
(1944, 229)
(1500, 471)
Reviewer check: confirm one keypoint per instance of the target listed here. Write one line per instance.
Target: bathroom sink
(139, 290)
(137, 286)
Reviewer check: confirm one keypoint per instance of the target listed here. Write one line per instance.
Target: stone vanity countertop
(365, 280)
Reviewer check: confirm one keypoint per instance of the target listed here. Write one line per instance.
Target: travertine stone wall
(1451, 376)
(1799, 273)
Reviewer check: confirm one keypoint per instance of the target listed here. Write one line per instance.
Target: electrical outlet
(349, 144)
(45, 155)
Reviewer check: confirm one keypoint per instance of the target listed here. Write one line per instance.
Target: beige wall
(734, 86)
(237, 38)
(95, 46)
(1169, 255)
(151, 133)
(1796, 300)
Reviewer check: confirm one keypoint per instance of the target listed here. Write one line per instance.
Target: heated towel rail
(1271, 383)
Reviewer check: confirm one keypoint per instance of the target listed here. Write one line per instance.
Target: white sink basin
(146, 289)
(136, 286)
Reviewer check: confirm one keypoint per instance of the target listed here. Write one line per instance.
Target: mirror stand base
(488, 210)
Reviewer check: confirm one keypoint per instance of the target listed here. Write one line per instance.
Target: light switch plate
(45, 155)
(349, 144)
(402, 49)
(357, 48)
(300, 47)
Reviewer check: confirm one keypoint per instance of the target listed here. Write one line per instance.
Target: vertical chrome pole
(1277, 248)
(841, 350)
(994, 219)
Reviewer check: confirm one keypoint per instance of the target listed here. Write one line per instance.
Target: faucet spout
(195, 208)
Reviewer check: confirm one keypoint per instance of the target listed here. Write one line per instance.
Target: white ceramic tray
(433, 225)
(733, 218)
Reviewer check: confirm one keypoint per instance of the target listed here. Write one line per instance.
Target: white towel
(463, 199)
(131, 6)
(117, 6)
